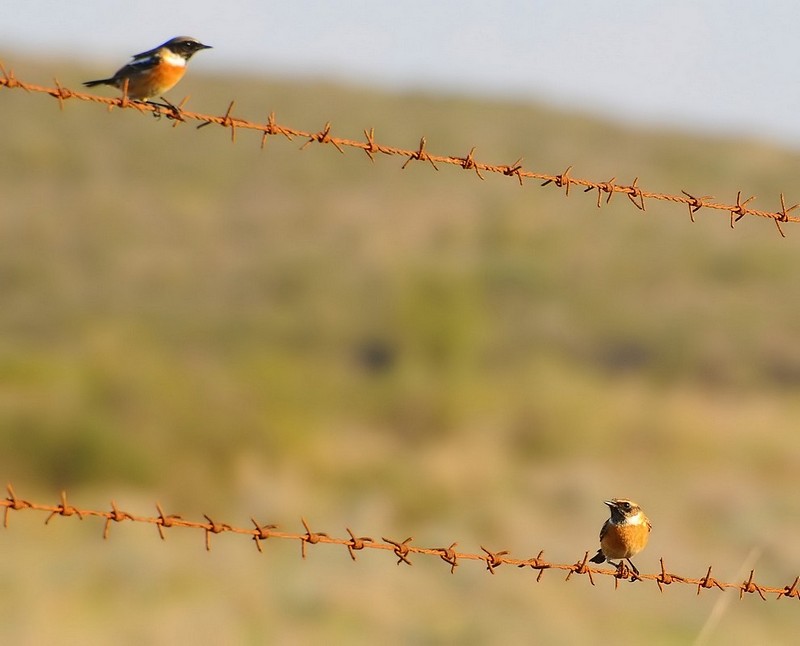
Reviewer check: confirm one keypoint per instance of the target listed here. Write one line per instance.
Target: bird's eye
(626, 506)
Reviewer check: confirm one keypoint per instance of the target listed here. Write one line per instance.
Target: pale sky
(719, 65)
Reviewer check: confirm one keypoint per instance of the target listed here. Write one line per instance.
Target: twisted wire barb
(636, 194)
(402, 550)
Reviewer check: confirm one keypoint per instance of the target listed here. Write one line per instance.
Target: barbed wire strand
(403, 550)
(635, 193)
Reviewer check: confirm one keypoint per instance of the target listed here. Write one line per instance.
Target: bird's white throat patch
(171, 58)
(638, 519)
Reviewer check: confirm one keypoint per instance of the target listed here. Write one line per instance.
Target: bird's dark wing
(134, 67)
(149, 54)
(604, 530)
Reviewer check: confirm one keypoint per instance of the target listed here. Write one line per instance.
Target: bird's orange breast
(623, 541)
(156, 81)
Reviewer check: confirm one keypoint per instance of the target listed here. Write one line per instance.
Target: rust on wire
(262, 533)
(449, 556)
(164, 521)
(64, 509)
(634, 192)
(709, 582)
(695, 203)
(514, 170)
(229, 122)
(750, 587)
(371, 147)
(12, 502)
(309, 537)
(602, 187)
(356, 543)
(667, 578)
(61, 94)
(740, 210)
(324, 137)
(115, 516)
(494, 559)
(538, 563)
(214, 528)
(468, 163)
(791, 590)
(403, 550)
(178, 114)
(784, 215)
(582, 567)
(419, 155)
(562, 180)
(9, 80)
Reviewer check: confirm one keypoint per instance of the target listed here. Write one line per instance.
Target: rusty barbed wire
(636, 194)
(403, 550)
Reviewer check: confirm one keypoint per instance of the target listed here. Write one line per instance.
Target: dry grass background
(279, 333)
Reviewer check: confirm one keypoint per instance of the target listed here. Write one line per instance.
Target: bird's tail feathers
(98, 82)
(598, 558)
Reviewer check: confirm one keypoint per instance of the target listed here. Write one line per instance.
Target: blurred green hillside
(238, 332)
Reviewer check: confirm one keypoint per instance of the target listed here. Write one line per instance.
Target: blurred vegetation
(312, 333)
